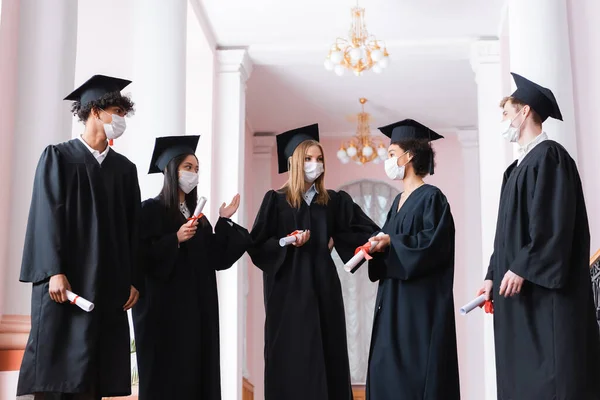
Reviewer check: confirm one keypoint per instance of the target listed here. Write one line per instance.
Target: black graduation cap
(409, 129)
(288, 141)
(168, 147)
(96, 87)
(539, 98)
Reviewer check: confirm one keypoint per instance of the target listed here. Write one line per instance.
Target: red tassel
(110, 142)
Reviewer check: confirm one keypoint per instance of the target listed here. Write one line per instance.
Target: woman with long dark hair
(306, 353)
(177, 321)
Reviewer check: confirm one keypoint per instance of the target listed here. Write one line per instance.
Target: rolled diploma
(80, 302)
(199, 208)
(358, 257)
(470, 306)
(286, 241)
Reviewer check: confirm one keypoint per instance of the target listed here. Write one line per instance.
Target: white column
(47, 37)
(540, 51)
(9, 29)
(234, 68)
(470, 329)
(261, 183)
(158, 88)
(494, 157)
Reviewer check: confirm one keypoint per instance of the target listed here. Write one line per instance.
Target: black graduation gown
(177, 321)
(306, 352)
(83, 223)
(413, 352)
(546, 337)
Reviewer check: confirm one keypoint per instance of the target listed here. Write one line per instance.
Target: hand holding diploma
(483, 300)
(80, 302)
(58, 287)
(296, 238)
(363, 251)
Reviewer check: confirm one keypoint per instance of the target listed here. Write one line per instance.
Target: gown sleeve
(412, 256)
(353, 227)
(490, 271)
(43, 252)
(545, 260)
(159, 250)
(135, 209)
(265, 251)
(229, 242)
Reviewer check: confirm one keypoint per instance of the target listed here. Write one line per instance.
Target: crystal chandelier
(362, 148)
(359, 52)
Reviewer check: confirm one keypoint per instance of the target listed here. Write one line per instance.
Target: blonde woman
(306, 355)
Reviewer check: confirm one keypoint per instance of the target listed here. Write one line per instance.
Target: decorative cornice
(263, 145)
(14, 331)
(485, 51)
(279, 53)
(235, 60)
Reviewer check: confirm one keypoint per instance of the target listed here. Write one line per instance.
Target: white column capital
(468, 137)
(263, 145)
(485, 51)
(235, 60)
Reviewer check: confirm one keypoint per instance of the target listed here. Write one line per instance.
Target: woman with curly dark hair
(413, 352)
(82, 237)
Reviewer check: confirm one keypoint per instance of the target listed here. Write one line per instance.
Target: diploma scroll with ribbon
(481, 302)
(80, 302)
(198, 211)
(362, 252)
(289, 239)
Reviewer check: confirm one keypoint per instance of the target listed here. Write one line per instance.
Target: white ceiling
(429, 79)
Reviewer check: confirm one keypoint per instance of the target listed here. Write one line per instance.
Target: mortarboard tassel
(110, 142)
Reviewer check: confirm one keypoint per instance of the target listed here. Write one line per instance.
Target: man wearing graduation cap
(546, 335)
(82, 236)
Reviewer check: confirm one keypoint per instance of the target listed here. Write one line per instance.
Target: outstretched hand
(228, 211)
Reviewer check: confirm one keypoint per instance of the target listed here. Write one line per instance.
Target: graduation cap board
(539, 98)
(409, 129)
(288, 141)
(168, 147)
(96, 87)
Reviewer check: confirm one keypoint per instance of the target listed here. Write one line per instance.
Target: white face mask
(392, 170)
(509, 132)
(312, 170)
(116, 127)
(188, 181)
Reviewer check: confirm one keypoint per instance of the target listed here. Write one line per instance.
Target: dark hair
(112, 99)
(421, 152)
(169, 195)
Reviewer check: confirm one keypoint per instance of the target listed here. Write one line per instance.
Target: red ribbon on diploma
(75, 300)
(196, 217)
(365, 248)
(488, 305)
(295, 233)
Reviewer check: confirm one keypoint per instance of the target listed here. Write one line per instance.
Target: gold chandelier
(359, 52)
(362, 148)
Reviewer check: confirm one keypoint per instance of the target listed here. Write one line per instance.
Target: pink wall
(584, 25)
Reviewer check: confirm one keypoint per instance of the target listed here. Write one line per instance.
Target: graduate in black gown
(306, 353)
(177, 320)
(546, 335)
(413, 352)
(82, 236)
